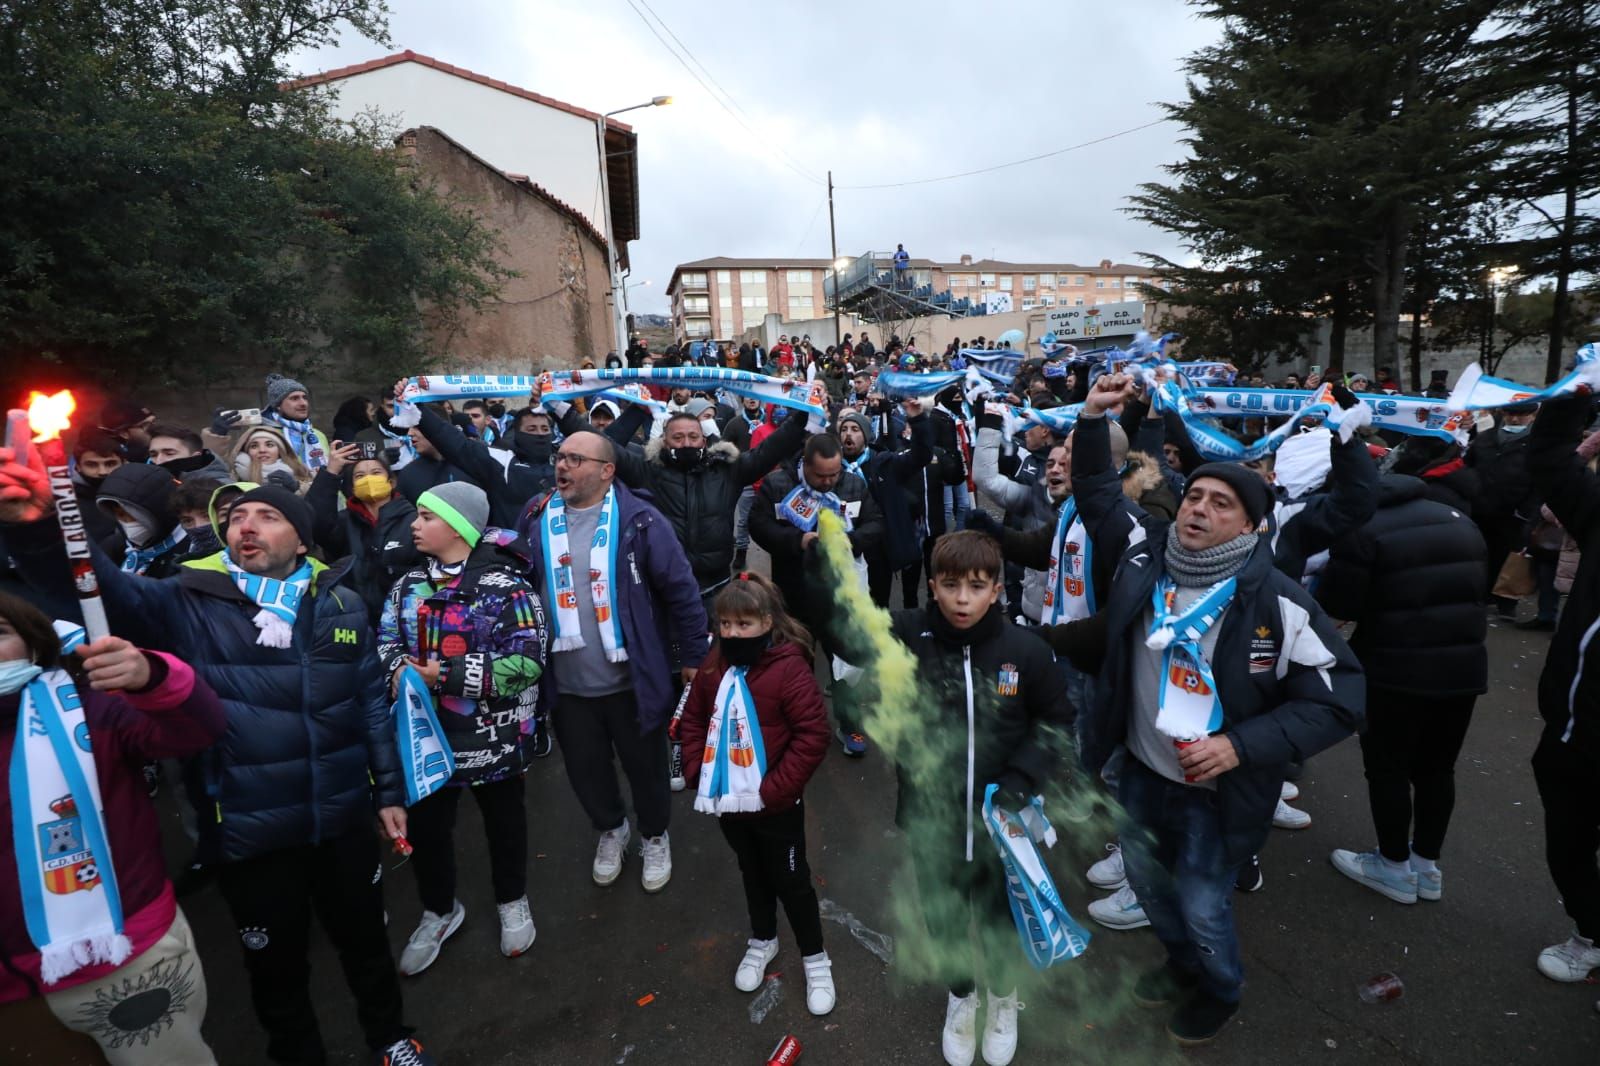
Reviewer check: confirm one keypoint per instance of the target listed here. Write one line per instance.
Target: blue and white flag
(425, 755)
(1049, 934)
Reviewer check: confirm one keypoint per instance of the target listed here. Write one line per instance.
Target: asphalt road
(618, 977)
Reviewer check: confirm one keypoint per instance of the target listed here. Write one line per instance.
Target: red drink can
(1383, 988)
(1178, 746)
(787, 1053)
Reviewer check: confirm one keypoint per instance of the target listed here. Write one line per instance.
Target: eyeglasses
(574, 459)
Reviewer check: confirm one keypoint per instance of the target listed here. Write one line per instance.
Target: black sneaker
(1162, 985)
(407, 1052)
(1199, 1019)
(541, 738)
(738, 559)
(1250, 879)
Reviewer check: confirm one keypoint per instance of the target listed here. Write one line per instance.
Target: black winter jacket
(1290, 686)
(795, 570)
(1299, 529)
(995, 712)
(422, 474)
(895, 481)
(143, 489)
(1412, 579)
(1505, 489)
(310, 750)
(1569, 687)
(379, 552)
(699, 502)
(509, 476)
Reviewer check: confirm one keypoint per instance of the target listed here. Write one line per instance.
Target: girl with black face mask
(754, 730)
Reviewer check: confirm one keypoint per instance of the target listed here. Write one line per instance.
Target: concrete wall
(554, 148)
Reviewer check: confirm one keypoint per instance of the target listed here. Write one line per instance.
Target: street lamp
(1497, 277)
(618, 328)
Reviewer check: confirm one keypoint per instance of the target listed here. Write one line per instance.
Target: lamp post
(1497, 277)
(618, 295)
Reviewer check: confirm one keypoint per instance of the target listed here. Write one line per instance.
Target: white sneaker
(753, 967)
(1108, 872)
(1120, 910)
(1570, 962)
(1000, 1029)
(1287, 817)
(516, 927)
(1290, 791)
(1430, 883)
(820, 996)
(961, 1029)
(657, 863)
(608, 856)
(432, 932)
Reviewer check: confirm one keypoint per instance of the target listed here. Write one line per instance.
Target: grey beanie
(463, 506)
(279, 387)
(862, 422)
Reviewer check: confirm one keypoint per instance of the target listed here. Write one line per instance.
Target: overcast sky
(879, 93)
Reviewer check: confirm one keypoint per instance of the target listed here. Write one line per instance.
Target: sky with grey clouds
(879, 93)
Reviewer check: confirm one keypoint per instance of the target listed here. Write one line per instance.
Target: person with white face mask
(138, 497)
(88, 920)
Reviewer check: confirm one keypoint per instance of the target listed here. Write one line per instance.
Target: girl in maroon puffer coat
(754, 730)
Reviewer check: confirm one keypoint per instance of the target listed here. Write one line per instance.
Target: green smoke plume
(1079, 1010)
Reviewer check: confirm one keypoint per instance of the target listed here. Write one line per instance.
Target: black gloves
(283, 480)
(1014, 791)
(1345, 397)
(223, 422)
(984, 522)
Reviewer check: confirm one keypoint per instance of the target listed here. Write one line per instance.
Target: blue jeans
(741, 519)
(957, 502)
(1172, 851)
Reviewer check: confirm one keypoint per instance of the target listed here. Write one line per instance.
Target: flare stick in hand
(48, 417)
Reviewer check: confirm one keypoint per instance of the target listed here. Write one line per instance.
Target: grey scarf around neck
(1209, 565)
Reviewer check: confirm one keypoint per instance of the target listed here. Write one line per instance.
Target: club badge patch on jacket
(1263, 651)
(1009, 679)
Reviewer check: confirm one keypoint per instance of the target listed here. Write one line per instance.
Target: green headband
(452, 518)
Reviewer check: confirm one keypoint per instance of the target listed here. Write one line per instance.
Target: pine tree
(1317, 134)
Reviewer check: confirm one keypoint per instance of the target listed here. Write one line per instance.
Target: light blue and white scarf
(803, 504)
(279, 601)
(302, 438)
(1190, 707)
(1069, 584)
(736, 759)
(137, 559)
(559, 578)
(425, 755)
(1048, 932)
(859, 466)
(1477, 391)
(69, 892)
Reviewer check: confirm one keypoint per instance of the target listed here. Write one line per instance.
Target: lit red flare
(50, 416)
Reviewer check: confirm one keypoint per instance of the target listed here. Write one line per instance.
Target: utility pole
(833, 240)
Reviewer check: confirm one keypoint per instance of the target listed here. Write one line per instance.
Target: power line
(1013, 163)
(787, 160)
(807, 232)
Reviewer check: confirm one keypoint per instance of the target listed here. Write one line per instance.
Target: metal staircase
(865, 286)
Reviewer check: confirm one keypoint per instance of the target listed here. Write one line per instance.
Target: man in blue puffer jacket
(308, 760)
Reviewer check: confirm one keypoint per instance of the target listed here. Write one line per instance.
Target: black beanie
(1253, 492)
(286, 503)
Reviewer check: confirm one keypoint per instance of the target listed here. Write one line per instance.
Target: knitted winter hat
(463, 506)
(1246, 484)
(279, 386)
(861, 421)
(286, 503)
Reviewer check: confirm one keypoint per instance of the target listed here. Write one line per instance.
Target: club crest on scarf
(68, 864)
